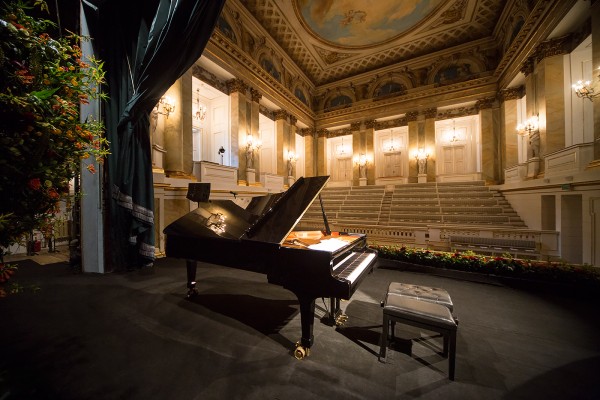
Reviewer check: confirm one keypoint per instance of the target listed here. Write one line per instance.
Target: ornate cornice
(237, 85)
(280, 114)
(355, 126)
(513, 93)
(293, 120)
(265, 111)
(256, 96)
(339, 132)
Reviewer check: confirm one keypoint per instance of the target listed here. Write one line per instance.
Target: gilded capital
(237, 85)
(256, 96)
(513, 93)
(370, 123)
(554, 47)
(430, 113)
(527, 67)
(322, 132)
(355, 126)
(485, 103)
(293, 120)
(280, 114)
(306, 132)
(412, 116)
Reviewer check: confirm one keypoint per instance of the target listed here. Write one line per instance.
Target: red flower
(35, 183)
(53, 194)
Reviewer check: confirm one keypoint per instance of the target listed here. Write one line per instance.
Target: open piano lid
(274, 225)
(225, 219)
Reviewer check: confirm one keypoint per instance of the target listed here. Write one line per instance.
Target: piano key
(353, 266)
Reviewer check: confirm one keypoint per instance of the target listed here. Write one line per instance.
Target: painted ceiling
(334, 39)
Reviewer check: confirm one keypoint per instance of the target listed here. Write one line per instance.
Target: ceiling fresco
(351, 23)
(330, 40)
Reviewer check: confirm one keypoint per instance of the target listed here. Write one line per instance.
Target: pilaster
(509, 111)
(595, 8)
(489, 142)
(322, 152)
(282, 128)
(178, 158)
(413, 144)
(427, 141)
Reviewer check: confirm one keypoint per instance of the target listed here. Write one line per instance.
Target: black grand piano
(260, 238)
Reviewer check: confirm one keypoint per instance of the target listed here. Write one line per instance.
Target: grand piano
(261, 238)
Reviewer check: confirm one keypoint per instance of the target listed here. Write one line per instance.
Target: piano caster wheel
(300, 352)
(341, 319)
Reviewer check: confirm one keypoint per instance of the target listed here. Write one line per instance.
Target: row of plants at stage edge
(505, 266)
(43, 138)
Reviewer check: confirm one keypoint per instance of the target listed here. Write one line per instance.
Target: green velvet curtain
(146, 46)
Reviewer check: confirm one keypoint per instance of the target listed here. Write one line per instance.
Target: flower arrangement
(43, 137)
(505, 266)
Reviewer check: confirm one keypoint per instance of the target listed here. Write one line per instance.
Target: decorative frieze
(370, 123)
(209, 78)
(457, 112)
(293, 120)
(391, 123)
(266, 112)
(513, 93)
(355, 126)
(237, 85)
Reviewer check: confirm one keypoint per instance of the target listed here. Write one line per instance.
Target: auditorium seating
(395, 214)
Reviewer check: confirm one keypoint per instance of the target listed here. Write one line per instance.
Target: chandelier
(201, 109)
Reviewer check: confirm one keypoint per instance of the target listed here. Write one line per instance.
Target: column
(322, 151)
(509, 147)
(237, 96)
(178, 158)
(427, 143)
(282, 139)
(551, 93)
(290, 156)
(253, 129)
(595, 8)
(309, 151)
(533, 136)
(357, 149)
(413, 145)
(369, 150)
(490, 144)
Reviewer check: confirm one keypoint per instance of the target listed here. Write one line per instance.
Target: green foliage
(43, 137)
(494, 265)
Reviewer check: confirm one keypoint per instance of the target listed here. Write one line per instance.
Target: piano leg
(191, 278)
(307, 318)
(336, 315)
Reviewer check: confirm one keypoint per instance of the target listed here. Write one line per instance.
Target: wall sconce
(291, 159)
(583, 90)
(168, 106)
(252, 144)
(421, 157)
(532, 124)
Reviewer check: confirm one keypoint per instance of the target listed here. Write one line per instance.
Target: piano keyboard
(351, 267)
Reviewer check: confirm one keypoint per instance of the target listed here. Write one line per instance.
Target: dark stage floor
(134, 336)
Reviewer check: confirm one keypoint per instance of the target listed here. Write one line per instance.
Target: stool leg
(384, 338)
(452, 355)
(445, 349)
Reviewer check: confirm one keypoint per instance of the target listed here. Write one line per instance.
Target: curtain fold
(146, 46)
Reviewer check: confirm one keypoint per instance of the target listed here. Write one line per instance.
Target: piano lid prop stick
(327, 230)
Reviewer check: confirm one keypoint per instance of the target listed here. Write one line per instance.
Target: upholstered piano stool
(423, 314)
(425, 293)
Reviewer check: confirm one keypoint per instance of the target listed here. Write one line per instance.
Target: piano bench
(425, 293)
(422, 314)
